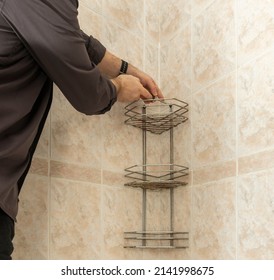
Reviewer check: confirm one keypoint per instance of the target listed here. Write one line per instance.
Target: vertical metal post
(144, 203)
(171, 178)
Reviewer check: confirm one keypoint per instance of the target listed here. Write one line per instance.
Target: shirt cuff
(95, 49)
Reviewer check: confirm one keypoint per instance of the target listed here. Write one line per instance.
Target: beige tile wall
(221, 63)
(216, 55)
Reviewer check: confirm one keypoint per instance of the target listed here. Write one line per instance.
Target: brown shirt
(41, 43)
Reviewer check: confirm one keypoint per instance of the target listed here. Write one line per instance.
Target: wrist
(134, 71)
(124, 67)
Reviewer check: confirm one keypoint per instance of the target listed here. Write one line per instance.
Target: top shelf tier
(156, 115)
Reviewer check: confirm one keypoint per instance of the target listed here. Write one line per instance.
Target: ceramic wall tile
(124, 44)
(152, 14)
(214, 172)
(182, 209)
(213, 37)
(152, 65)
(121, 213)
(90, 22)
(75, 172)
(174, 15)
(110, 178)
(256, 162)
(256, 105)
(39, 166)
(157, 149)
(214, 220)
(94, 5)
(122, 144)
(75, 220)
(157, 210)
(255, 28)
(213, 123)
(255, 216)
(175, 65)
(128, 14)
(75, 137)
(199, 6)
(31, 229)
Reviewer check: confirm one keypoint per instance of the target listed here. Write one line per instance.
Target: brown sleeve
(51, 32)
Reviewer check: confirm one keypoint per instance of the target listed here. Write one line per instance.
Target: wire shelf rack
(158, 116)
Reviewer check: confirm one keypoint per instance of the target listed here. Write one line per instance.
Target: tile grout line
(237, 125)
(159, 45)
(144, 35)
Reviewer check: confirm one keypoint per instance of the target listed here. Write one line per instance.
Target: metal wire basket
(156, 115)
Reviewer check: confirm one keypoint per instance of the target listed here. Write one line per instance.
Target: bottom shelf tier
(156, 239)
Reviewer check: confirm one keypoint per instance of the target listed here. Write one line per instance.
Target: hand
(110, 65)
(146, 81)
(129, 89)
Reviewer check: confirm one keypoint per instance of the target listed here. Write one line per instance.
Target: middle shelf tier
(155, 176)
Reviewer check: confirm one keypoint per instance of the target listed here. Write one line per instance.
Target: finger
(160, 94)
(145, 94)
(154, 90)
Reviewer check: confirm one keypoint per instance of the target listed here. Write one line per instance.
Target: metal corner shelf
(156, 116)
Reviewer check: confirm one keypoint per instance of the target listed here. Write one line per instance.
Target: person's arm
(128, 87)
(110, 66)
(51, 33)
